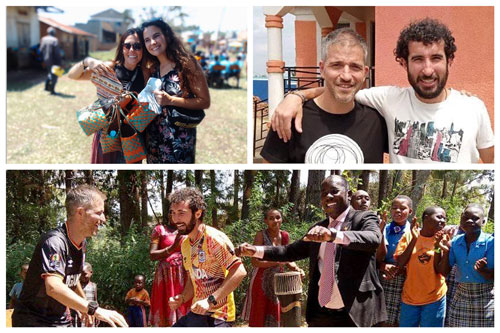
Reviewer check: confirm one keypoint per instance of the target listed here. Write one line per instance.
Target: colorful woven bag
(131, 144)
(107, 85)
(140, 115)
(110, 137)
(92, 118)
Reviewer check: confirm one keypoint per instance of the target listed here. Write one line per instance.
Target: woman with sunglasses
(129, 67)
(184, 87)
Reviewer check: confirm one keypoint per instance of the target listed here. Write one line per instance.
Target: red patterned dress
(168, 281)
(262, 307)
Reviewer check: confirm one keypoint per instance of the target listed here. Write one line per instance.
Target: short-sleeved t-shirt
(16, 290)
(208, 261)
(55, 254)
(422, 285)
(451, 131)
(359, 136)
(483, 247)
(392, 234)
(143, 295)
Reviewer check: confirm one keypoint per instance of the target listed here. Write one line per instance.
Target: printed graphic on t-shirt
(423, 141)
(334, 148)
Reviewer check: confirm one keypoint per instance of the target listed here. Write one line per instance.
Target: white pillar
(275, 63)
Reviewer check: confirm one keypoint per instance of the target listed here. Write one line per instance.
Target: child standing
(15, 292)
(473, 253)
(137, 300)
(90, 290)
(392, 276)
(424, 290)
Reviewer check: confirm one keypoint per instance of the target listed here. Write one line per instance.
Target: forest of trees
(236, 199)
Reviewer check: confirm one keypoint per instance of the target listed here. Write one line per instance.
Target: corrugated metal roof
(64, 27)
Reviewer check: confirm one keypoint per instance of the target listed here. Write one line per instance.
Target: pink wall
(473, 29)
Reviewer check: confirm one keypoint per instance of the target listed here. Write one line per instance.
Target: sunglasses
(135, 46)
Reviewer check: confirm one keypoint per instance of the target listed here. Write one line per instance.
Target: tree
(144, 199)
(68, 179)
(293, 195)
(248, 179)
(383, 186)
(419, 179)
(198, 179)
(213, 198)
(236, 190)
(313, 191)
(129, 199)
(364, 180)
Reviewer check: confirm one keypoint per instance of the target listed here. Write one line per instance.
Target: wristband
(297, 93)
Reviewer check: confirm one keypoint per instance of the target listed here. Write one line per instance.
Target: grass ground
(42, 128)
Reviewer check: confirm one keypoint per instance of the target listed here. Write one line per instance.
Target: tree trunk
(236, 190)
(293, 196)
(89, 177)
(364, 180)
(198, 179)
(128, 199)
(189, 175)
(313, 191)
(458, 178)
(248, 179)
(144, 200)
(68, 179)
(213, 194)
(419, 179)
(445, 185)
(163, 196)
(168, 190)
(383, 186)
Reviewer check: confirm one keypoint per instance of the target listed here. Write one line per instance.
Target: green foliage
(16, 255)
(116, 261)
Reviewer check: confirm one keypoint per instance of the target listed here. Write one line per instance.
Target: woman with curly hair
(184, 93)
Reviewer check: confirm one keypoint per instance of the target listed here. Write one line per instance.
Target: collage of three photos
(338, 234)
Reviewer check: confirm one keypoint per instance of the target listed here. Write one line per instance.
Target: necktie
(328, 289)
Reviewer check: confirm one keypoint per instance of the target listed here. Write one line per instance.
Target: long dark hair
(119, 57)
(176, 52)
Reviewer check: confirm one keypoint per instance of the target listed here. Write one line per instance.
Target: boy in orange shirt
(424, 290)
(137, 299)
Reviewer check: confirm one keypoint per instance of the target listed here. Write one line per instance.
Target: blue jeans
(429, 315)
(192, 319)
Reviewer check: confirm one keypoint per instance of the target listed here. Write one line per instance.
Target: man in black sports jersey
(337, 129)
(53, 280)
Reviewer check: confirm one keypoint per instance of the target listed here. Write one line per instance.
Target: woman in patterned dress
(184, 87)
(262, 308)
(169, 275)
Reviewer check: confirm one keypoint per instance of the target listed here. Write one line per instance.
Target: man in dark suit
(351, 237)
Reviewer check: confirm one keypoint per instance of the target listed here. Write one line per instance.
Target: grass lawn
(42, 128)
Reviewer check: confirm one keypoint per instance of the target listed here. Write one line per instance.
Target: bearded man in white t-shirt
(427, 122)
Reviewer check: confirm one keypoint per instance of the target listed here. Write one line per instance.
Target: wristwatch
(92, 307)
(211, 300)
